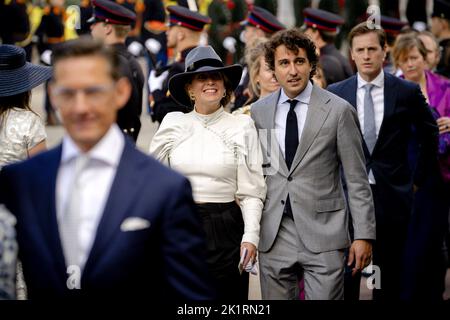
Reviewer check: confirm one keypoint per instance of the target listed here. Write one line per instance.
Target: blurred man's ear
(122, 92)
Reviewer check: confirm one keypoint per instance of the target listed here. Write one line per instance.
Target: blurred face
(436, 26)
(292, 70)
(314, 36)
(432, 58)
(172, 36)
(99, 30)
(368, 55)
(207, 89)
(319, 78)
(251, 33)
(266, 78)
(412, 65)
(87, 98)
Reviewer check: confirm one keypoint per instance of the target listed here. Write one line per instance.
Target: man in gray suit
(304, 227)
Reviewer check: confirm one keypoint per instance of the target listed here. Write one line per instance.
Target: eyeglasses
(92, 95)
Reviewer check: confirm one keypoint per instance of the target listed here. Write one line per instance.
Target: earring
(224, 94)
(191, 96)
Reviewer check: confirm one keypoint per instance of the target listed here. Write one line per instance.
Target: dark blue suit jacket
(405, 108)
(166, 261)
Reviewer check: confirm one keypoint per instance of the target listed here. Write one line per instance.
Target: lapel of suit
(350, 91)
(47, 213)
(315, 117)
(121, 196)
(350, 94)
(272, 105)
(390, 96)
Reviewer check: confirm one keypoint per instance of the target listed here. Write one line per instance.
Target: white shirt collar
(108, 150)
(303, 97)
(378, 81)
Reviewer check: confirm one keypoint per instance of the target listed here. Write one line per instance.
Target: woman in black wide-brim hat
(22, 132)
(221, 156)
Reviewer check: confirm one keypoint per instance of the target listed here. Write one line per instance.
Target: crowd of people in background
(302, 140)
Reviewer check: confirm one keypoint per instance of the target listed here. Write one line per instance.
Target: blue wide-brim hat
(16, 74)
(199, 60)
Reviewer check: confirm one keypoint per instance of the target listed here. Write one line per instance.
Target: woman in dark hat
(221, 156)
(22, 133)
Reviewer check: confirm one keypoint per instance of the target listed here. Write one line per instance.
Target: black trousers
(389, 247)
(224, 227)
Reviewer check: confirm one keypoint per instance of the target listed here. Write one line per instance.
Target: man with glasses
(111, 23)
(96, 217)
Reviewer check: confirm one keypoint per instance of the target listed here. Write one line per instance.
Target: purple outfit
(438, 90)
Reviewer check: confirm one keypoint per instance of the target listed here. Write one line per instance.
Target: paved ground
(147, 131)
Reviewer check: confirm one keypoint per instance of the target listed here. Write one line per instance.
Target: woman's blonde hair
(404, 44)
(252, 58)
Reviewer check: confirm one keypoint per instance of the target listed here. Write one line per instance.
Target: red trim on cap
(276, 26)
(184, 24)
(394, 32)
(112, 21)
(259, 25)
(318, 26)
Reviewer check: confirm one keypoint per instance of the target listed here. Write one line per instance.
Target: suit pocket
(329, 205)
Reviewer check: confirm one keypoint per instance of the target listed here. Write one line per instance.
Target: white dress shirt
(377, 93)
(221, 156)
(301, 109)
(96, 180)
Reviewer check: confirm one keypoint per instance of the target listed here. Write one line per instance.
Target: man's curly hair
(293, 39)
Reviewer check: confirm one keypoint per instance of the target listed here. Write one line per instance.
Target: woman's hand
(251, 252)
(444, 124)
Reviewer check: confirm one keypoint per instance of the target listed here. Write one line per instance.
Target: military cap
(182, 16)
(322, 20)
(441, 9)
(111, 12)
(391, 25)
(264, 20)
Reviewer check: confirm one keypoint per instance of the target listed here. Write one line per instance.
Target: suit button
(282, 202)
(289, 178)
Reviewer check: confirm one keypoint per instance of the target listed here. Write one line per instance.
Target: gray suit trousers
(284, 264)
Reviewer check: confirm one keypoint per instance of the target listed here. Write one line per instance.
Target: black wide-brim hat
(16, 74)
(199, 60)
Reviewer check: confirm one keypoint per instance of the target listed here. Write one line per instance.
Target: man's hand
(156, 82)
(361, 254)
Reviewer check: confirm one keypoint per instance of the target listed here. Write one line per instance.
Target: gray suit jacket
(331, 137)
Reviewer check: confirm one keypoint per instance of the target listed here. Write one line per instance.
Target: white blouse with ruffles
(221, 156)
(20, 130)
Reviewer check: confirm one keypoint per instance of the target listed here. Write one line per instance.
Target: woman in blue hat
(22, 133)
(220, 154)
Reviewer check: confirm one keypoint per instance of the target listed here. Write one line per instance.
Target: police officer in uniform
(111, 22)
(185, 28)
(322, 27)
(259, 23)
